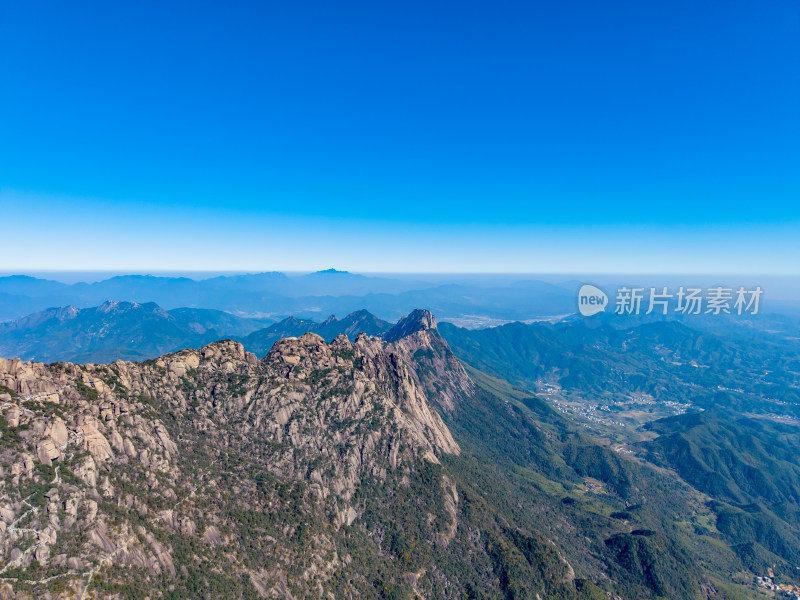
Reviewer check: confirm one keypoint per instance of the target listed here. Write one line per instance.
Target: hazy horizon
(779, 287)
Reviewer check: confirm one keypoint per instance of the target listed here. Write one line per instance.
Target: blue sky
(382, 136)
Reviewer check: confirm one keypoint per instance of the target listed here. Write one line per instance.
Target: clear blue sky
(408, 136)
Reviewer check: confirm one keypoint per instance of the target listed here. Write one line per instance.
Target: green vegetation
(8, 391)
(532, 508)
(238, 384)
(750, 467)
(87, 392)
(8, 435)
(667, 360)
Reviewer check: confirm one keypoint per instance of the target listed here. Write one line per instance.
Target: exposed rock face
(352, 325)
(418, 341)
(378, 375)
(258, 461)
(418, 320)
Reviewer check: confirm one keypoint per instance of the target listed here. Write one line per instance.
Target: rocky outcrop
(418, 320)
(417, 340)
(204, 449)
(352, 325)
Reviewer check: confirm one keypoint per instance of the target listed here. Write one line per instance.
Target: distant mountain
(306, 296)
(34, 287)
(133, 331)
(468, 301)
(115, 330)
(260, 342)
(206, 321)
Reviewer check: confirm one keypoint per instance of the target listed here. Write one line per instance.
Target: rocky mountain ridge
(361, 321)
(377, 468)
(83, 443)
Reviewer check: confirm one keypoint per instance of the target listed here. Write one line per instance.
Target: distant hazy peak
(62, 313)
(120, 306)
(418, 320)
(65, 312)
(110, 305)
(332, 271)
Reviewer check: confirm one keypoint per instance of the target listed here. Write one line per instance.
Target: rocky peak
(292, 356)
(63, 313)
(416, 339)
(66, 312)
(331, 271)
(418, 320)
(116, 306)
(122, 307)
(358, 315)
(224, 349)
(341, 342)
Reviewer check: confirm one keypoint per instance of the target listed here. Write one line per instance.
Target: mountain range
(666, 360)
(362, 321)
(132, 331)
(277, 295)
(384, 467)
(116, 330)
